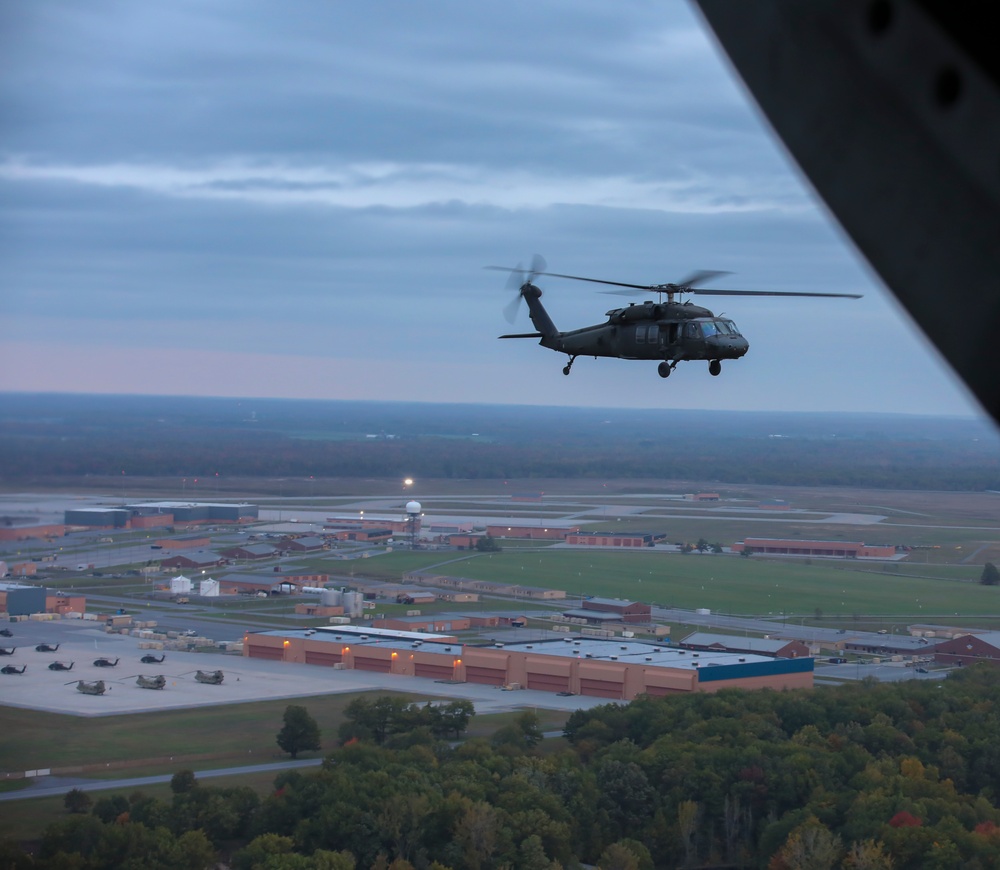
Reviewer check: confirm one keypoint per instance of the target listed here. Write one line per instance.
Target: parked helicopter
(47, 647)
(157, 682)
(61, 666)
(4, 651)
(10, 669)
(105, 663)
(97, 688)
(667, 330)
(6, 632)
(214, 678)
(150, 659)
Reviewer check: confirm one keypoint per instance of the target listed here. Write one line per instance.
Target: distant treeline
(58, 436)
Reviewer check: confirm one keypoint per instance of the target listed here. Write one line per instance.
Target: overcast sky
(258, 199)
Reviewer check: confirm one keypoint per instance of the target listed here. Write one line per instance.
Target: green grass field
(725, 583)
(232, 733)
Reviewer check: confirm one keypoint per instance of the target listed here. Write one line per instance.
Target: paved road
(54, 786)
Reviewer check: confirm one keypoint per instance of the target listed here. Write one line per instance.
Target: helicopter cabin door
(648, 340)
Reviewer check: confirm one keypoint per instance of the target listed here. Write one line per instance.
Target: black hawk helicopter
(667, 329)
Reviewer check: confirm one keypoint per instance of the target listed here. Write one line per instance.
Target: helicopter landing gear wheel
(569, 365)
(664, 369)
(715, 368)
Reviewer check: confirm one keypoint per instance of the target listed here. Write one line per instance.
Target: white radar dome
(413, 507)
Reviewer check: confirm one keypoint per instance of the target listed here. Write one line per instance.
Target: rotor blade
(696, 278)
(707, 292)
(511, 308)
(696, 291)
(647, 287)
(538, 267)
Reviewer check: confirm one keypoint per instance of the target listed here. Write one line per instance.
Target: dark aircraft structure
(5, 651)
(6, 632)
(10, 669)
(47, 647)
(61, 666)
(105, 663)
(665, 329)
(157, 682)
(892, 110)
(96, 688)
(150, 659)
(213, 678)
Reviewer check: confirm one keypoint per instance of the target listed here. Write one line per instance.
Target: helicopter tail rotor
(519, 280)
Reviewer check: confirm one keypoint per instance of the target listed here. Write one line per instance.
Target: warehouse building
(707, 641)
(98, 518)
(536, 532)
(17, 599)
(613, 539)
(394, 526)
(970, 648)
(835, 549)
(584, 666)
(627, 611)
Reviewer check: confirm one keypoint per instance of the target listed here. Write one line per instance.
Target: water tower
(413, 521)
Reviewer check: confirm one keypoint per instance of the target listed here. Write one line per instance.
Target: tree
(746, 552)
(452, 718)
(300, 731)
(183, 781)
(488, 544)
(77, 801)
(990, 575)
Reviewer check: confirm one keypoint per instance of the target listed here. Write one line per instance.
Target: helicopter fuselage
(655, 331)
(670, 332)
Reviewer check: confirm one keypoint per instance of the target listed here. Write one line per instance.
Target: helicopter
(47, 647)
(150, 659)
(157, 682)
(97, 688)
(10, 669)
(7, 651)
(213, 678)
(667, 329)
(61, 666)
(105, 663)
(6, 632)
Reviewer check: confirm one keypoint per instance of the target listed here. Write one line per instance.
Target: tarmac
(246, 679)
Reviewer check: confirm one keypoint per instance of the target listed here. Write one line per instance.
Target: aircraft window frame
(653, 333)
(640, 334)
(692, 330)
(709, 329)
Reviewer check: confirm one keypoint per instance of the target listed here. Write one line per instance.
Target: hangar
(581, 666)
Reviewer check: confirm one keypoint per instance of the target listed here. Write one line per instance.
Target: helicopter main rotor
(690, 286)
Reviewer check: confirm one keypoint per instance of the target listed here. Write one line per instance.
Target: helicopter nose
(730, 346)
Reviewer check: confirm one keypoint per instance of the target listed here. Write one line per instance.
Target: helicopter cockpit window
(708, 328)
(692, 330)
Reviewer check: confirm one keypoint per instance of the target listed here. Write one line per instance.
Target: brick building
(583, 666)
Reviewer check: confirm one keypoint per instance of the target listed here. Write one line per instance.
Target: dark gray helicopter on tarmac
(667, 329)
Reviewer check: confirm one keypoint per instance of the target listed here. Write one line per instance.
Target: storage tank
(331, 598)
(354, 604)
(209, 588)
(180, 585)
